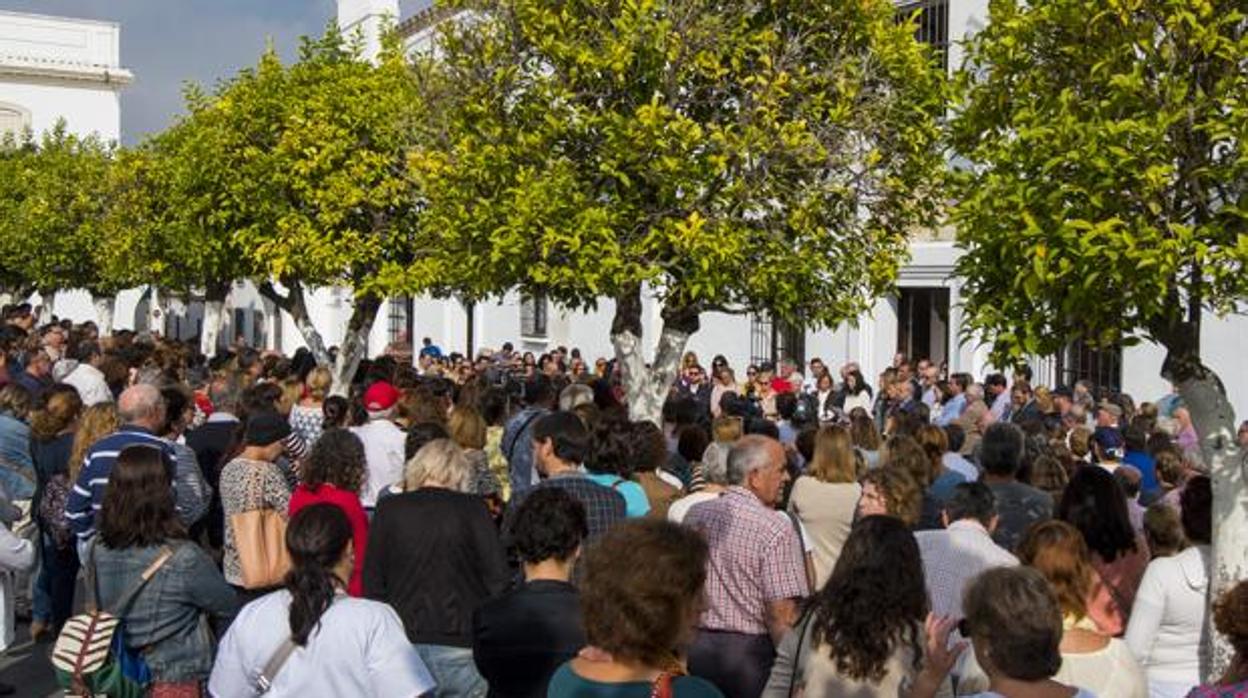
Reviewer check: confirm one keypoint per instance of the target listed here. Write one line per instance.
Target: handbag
(260, 539)
(90, 656)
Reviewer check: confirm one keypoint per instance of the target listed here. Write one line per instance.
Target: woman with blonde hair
(865, 436)
(468, 429)
(96, 422)
(941, 480)
(892, 491)
(307, 416)
(1091, 659)
(435, 556)
(825, 497)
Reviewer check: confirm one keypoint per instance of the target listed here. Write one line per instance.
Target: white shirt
(959, 464)
(1110, 672)
(1169, 615)
(359, 649)
(16, 555)
(952, 557)
(384, 444)
(90, 384)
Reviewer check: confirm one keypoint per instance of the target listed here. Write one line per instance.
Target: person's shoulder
(694, 687)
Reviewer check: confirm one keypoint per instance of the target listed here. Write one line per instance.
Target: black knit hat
(267, 428)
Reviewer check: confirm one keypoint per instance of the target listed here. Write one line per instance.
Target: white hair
(715, 463)
(748, 454)
(574, 396)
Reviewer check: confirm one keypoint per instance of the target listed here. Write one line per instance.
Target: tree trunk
(1213, 417)
(210, 332)
(295, 303)
(647, 388)
(105, 308)
(155, 311)
(354, 343)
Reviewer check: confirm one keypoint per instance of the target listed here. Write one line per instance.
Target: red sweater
(349, 502)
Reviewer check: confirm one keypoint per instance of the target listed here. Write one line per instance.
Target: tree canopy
(722, 155)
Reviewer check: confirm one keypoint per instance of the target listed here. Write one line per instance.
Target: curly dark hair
(641, 590)
(1230, 617)
(549, 524)
(610, 449)
(337, 458)
(649, 446)
(874, 601)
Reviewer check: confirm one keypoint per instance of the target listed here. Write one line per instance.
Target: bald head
(142, 405)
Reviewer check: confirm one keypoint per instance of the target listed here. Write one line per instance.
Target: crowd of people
(497, 525)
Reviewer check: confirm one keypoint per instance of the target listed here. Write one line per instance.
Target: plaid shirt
(604, 507)
(954, 556)
(756, 557)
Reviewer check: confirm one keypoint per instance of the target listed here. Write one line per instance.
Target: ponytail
(316, 538)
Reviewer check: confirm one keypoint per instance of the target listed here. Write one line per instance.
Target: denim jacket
(164, 621)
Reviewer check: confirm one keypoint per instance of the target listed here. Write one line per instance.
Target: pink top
(349, 502)
(1113, 592)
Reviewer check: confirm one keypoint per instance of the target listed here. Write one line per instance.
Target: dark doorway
(923, 323)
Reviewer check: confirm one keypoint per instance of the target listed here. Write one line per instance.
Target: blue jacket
(87, 494)
(17, 472)
(163, 623)
(517, 447)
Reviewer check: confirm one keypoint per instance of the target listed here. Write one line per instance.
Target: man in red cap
(383, 441)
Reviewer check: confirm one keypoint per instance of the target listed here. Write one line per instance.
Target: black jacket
(520, 638)
(434, 556)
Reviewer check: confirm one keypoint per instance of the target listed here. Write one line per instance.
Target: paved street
(26, 666)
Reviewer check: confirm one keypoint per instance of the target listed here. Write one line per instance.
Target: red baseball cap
(380, 396)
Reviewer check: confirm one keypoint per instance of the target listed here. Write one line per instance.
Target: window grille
(533, 315)
(931, 25)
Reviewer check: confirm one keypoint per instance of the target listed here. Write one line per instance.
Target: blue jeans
(453, 670)
(53, 600)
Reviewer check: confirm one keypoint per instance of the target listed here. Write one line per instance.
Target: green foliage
(1104, 193)
(52, 206)
(729, 155)
(305, 165)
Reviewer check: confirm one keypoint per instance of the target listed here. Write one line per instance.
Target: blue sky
(167, 43)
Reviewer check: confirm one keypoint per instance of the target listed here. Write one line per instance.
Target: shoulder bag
(90, 656)
(260, 539)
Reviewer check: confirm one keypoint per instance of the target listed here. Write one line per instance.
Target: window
(13, 120)
(772, 340)
(533, 316)
(396, 319)
(1082, 361)
(931, 25)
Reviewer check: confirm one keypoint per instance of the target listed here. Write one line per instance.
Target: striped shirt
(87, 495)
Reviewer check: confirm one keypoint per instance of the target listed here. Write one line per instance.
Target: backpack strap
(271, 668)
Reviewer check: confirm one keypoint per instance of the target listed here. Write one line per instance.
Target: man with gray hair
(956, 554)
(715, 477)
(756, 574)
(142, 412)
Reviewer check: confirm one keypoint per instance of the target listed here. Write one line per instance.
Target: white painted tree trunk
(155, 312)
(210, 333)
(354, 347)
(646, 389)
(105, 308)
(1214, 420)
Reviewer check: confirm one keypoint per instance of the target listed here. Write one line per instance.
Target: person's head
(1196, 507)
(691, 442)
(467, 428)
(560, 441)
(335, 412)
(906, 454)
(1020, 393)
(337, 458)
(1169, 467)
(1163, 530)
(972, 501)
(1015, 624)
(1230, 617)
(420, 434)
(39, 364)
(958, 383)
(610, 450)
(757, 463)
(1094, 504)
(96, 422)
(834, 456)
(574, 396)
(994, 384)
(264, 436)
(1107, 414)
(824, 382)
(179, 410)
(57, 411)
(439, 463)
(715, 463)
(142, 405)
(641, 594)
(138, 508)
(15, 401)
(321, 556)
(863, 432)
(1129, 479)
(1001, 449)
(380, 399)
(874, 601)
(318, 383)
(549, 526)
(727, 429)
(891, 491)
(935, 444)
(1057, 550)
(648, 445)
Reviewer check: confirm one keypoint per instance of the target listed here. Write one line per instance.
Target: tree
(1103, 196)
(729, 156)
(165, 226)
(52, 205)
(309, 175)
